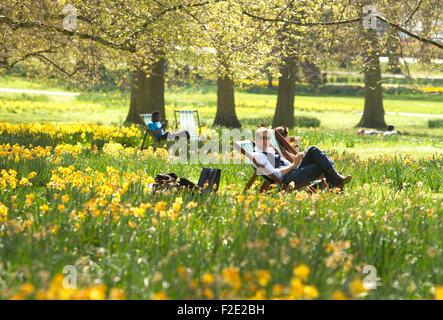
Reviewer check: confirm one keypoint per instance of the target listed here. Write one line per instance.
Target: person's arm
(156, 132)
(287, 169)
(294, 158)
(290, 156)
(151, 127)
(297, 159)
(285, 159)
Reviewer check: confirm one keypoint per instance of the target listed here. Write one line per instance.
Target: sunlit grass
(112, 107)
(85, 201)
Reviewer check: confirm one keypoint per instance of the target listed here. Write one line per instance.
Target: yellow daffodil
(301, 272)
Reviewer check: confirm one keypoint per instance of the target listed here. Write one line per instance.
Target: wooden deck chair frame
(147, 131)
(283, 149)
(285, 146)
(198, 119)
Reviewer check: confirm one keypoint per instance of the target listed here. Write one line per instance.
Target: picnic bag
(209, 181)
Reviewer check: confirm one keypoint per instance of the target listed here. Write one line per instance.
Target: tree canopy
(237, 39)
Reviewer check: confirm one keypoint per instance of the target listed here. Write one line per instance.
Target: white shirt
(266, 162)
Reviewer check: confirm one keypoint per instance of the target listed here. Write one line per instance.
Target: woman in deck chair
(304, 168)
(293, 141)
(157, 128)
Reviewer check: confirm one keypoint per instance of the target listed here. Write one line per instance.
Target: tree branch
(124, 46)
(30, 25)
(61, 69)
(413, 12)
(299, 23)
(167, 10)
(410, 33)
(333, 23)
(8, 65)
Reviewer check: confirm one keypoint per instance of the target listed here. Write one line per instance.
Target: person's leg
(306, 160)
(315, 155)
(303, 175)
(164, 136)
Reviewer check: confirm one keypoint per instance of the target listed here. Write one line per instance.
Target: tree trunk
(311, 73)
(226, 115)
(147, 92)
(373, 113)
(270, 79)
(284, 112)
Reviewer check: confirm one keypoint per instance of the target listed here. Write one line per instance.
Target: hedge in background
(436, 123)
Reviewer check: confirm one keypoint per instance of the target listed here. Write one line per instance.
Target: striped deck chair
(246, 147)
(187, 121)
(274, 141)
(276, 144)
(146, 118)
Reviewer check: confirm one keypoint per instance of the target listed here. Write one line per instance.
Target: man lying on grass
(305, 167)
(157, 128)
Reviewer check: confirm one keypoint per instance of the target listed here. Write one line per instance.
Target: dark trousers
(174, 135)
(314, 164)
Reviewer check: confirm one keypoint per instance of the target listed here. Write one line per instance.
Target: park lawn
(79, 197)
(33, 108)
(15, 82)
(338, 114)
(204, 99)
(83, 201)
(249, 105)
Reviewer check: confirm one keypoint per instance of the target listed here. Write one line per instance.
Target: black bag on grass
(209, 181)
(172, 181)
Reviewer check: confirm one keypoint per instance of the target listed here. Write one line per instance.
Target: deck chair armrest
(287, 155)
(285, 144)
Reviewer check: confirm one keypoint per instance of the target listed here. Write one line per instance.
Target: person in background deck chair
(301, 170)
(157, 128)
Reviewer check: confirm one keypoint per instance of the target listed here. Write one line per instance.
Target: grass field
(335, 113)
(76, 194)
